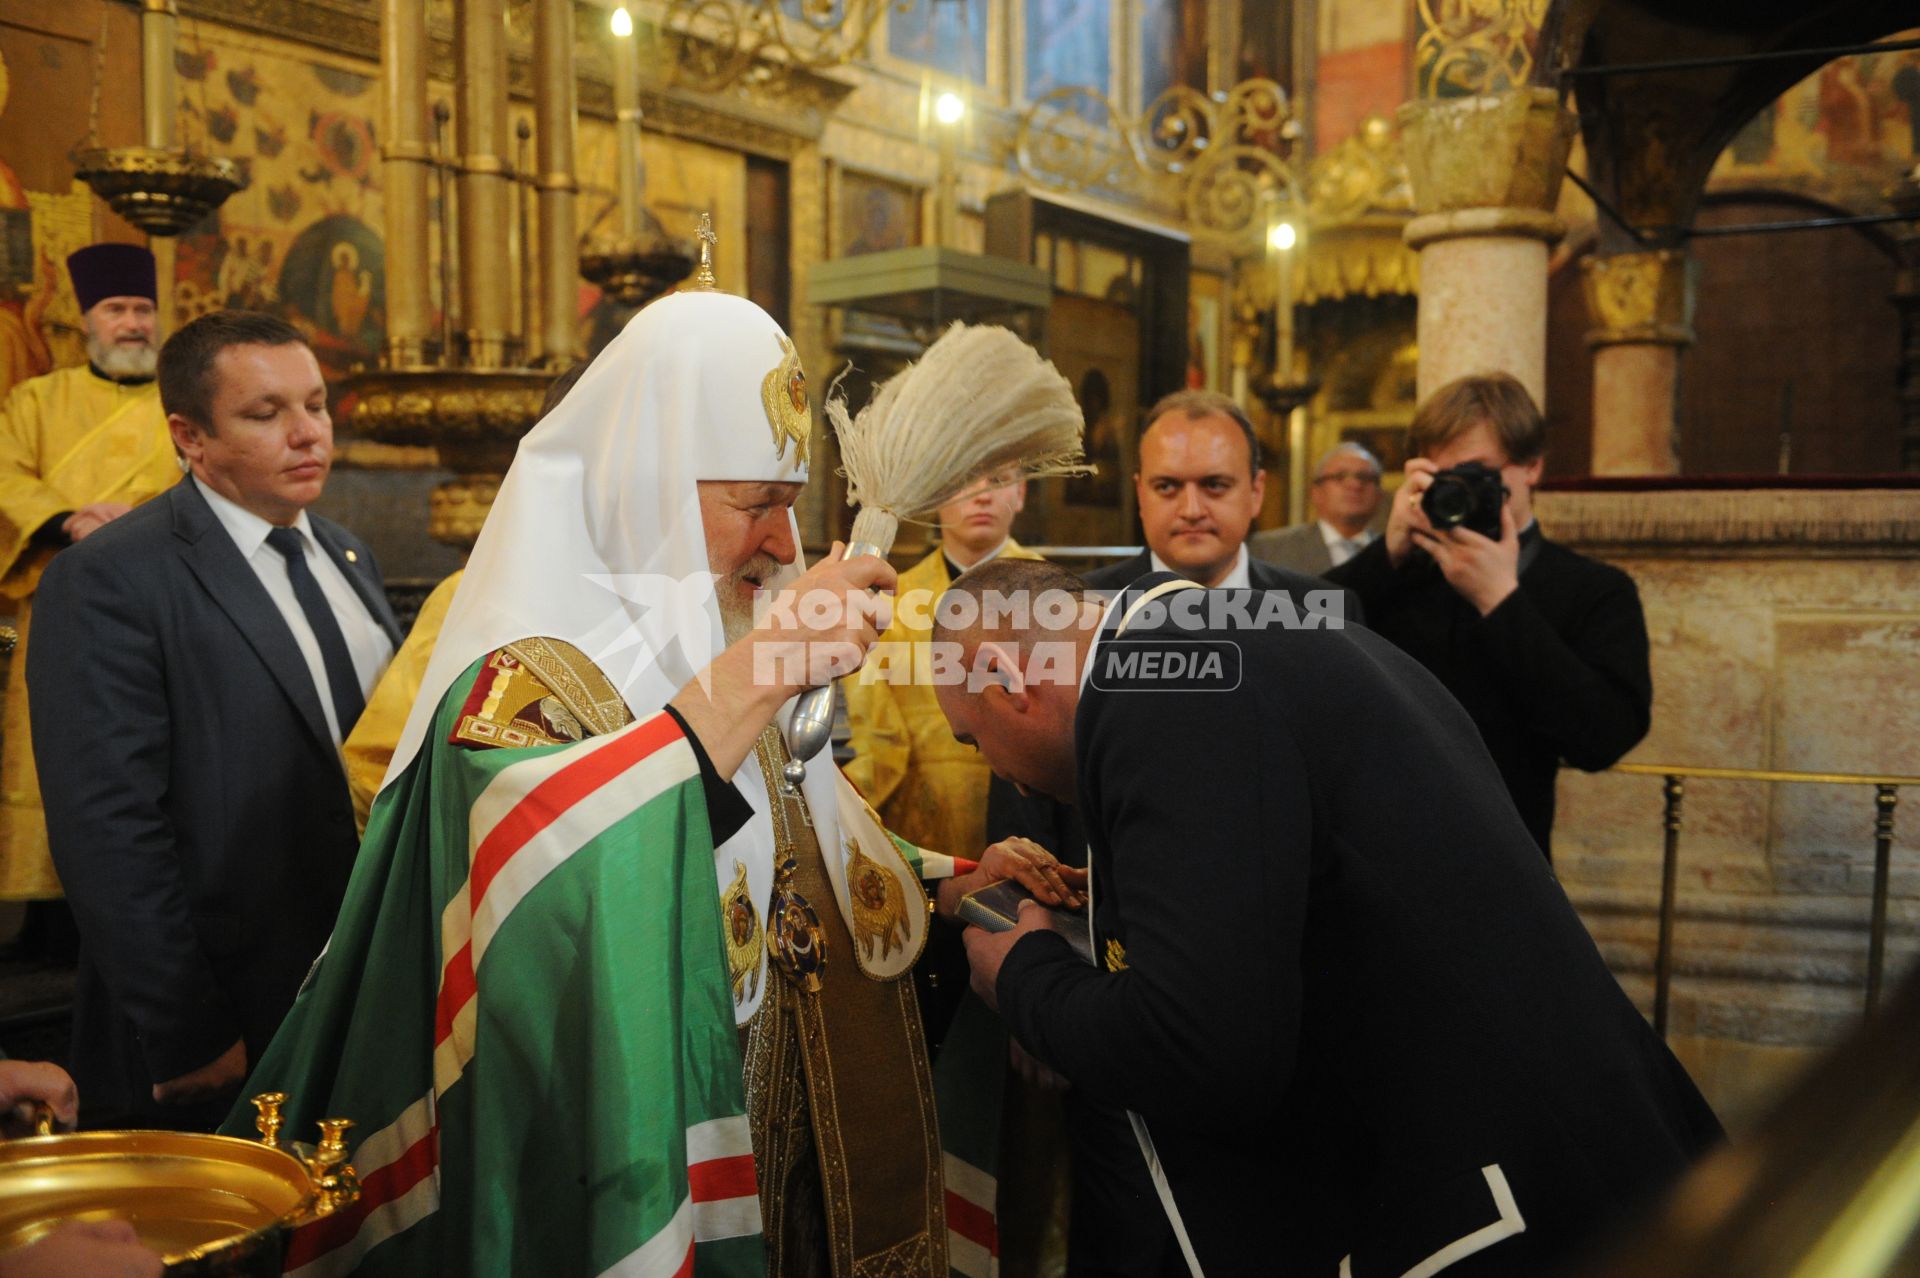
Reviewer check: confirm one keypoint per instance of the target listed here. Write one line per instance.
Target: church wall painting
(1068, 42)
(48, 54)
(1842, 135)
(303, 240)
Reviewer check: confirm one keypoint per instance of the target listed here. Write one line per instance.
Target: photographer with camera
(1546, 649)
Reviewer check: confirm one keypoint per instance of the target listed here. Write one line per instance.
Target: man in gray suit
(194, 668)
(1346, 493)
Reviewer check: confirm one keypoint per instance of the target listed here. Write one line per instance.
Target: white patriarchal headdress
(595, 538)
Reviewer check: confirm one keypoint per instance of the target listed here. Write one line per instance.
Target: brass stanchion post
(1885, 796)
(1669, 890)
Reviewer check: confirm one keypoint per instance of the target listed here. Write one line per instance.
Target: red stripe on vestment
(538, 809)
(972, 1222)
(549, 801)
(377, 1188)
(720, 1178)
(456, 987)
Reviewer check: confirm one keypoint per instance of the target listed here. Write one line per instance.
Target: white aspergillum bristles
(979, 400)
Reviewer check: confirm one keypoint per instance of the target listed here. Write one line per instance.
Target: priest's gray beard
(735, 592)
(120, 360)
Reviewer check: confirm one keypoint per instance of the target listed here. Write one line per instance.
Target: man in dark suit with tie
(1364, 1031)
(195, 667)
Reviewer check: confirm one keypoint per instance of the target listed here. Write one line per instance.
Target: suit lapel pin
(353, 556)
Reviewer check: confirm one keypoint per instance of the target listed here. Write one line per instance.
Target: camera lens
(1447, 503)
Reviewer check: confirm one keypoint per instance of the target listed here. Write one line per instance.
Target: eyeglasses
(1348, 476)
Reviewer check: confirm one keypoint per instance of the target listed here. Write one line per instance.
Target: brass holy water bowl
(210, 1205)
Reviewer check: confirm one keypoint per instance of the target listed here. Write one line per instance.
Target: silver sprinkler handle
(812, 724)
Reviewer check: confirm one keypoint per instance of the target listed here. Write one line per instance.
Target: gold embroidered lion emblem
(879, 907)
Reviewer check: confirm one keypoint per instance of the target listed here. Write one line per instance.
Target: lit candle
(1283, 237)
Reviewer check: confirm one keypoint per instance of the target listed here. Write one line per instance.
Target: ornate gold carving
(472, 417)
(457, 509)
(1476, 46)
(783, 392)
(1642, 298)
(740, 922)
(1223, 160)
(879, 907)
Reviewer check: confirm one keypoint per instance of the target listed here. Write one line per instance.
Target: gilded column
(1641, 305)
(1486, 174)
(556, 112)
(159, 30)
(485, 190)
(159, 27)
(405, 169)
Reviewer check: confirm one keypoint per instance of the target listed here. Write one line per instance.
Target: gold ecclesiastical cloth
(369, 748)
(927, 787)
(67, 440)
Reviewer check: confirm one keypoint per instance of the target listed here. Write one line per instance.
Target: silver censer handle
(812, 724)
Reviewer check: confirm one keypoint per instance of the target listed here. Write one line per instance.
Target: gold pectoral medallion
(794, 936)
(742, 924)
(879, 907)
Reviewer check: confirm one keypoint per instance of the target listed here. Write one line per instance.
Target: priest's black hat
(101, 271)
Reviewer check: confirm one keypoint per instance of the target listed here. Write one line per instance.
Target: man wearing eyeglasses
(1345, 496)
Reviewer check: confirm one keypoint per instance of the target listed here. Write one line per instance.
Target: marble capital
(1495, 151)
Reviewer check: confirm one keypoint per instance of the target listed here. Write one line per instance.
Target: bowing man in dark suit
(1198, 490)
(1365, 1031)
(195, 666)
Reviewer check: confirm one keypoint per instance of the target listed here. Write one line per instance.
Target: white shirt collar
(1237, 579)
(1332, 536)
(987, 558)
(248, 530)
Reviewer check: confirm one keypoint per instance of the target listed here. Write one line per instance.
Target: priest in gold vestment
(78, 447)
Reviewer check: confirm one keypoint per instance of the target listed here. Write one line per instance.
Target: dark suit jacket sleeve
(1209, 854)
(96, 674)
(1590, 692)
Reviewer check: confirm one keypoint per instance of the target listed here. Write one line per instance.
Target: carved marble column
(1486, 174)
(1641, 305)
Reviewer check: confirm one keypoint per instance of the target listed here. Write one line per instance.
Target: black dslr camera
(1466, 496)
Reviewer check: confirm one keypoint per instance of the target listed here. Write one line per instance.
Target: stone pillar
(1641, 305)
(1486, 175)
